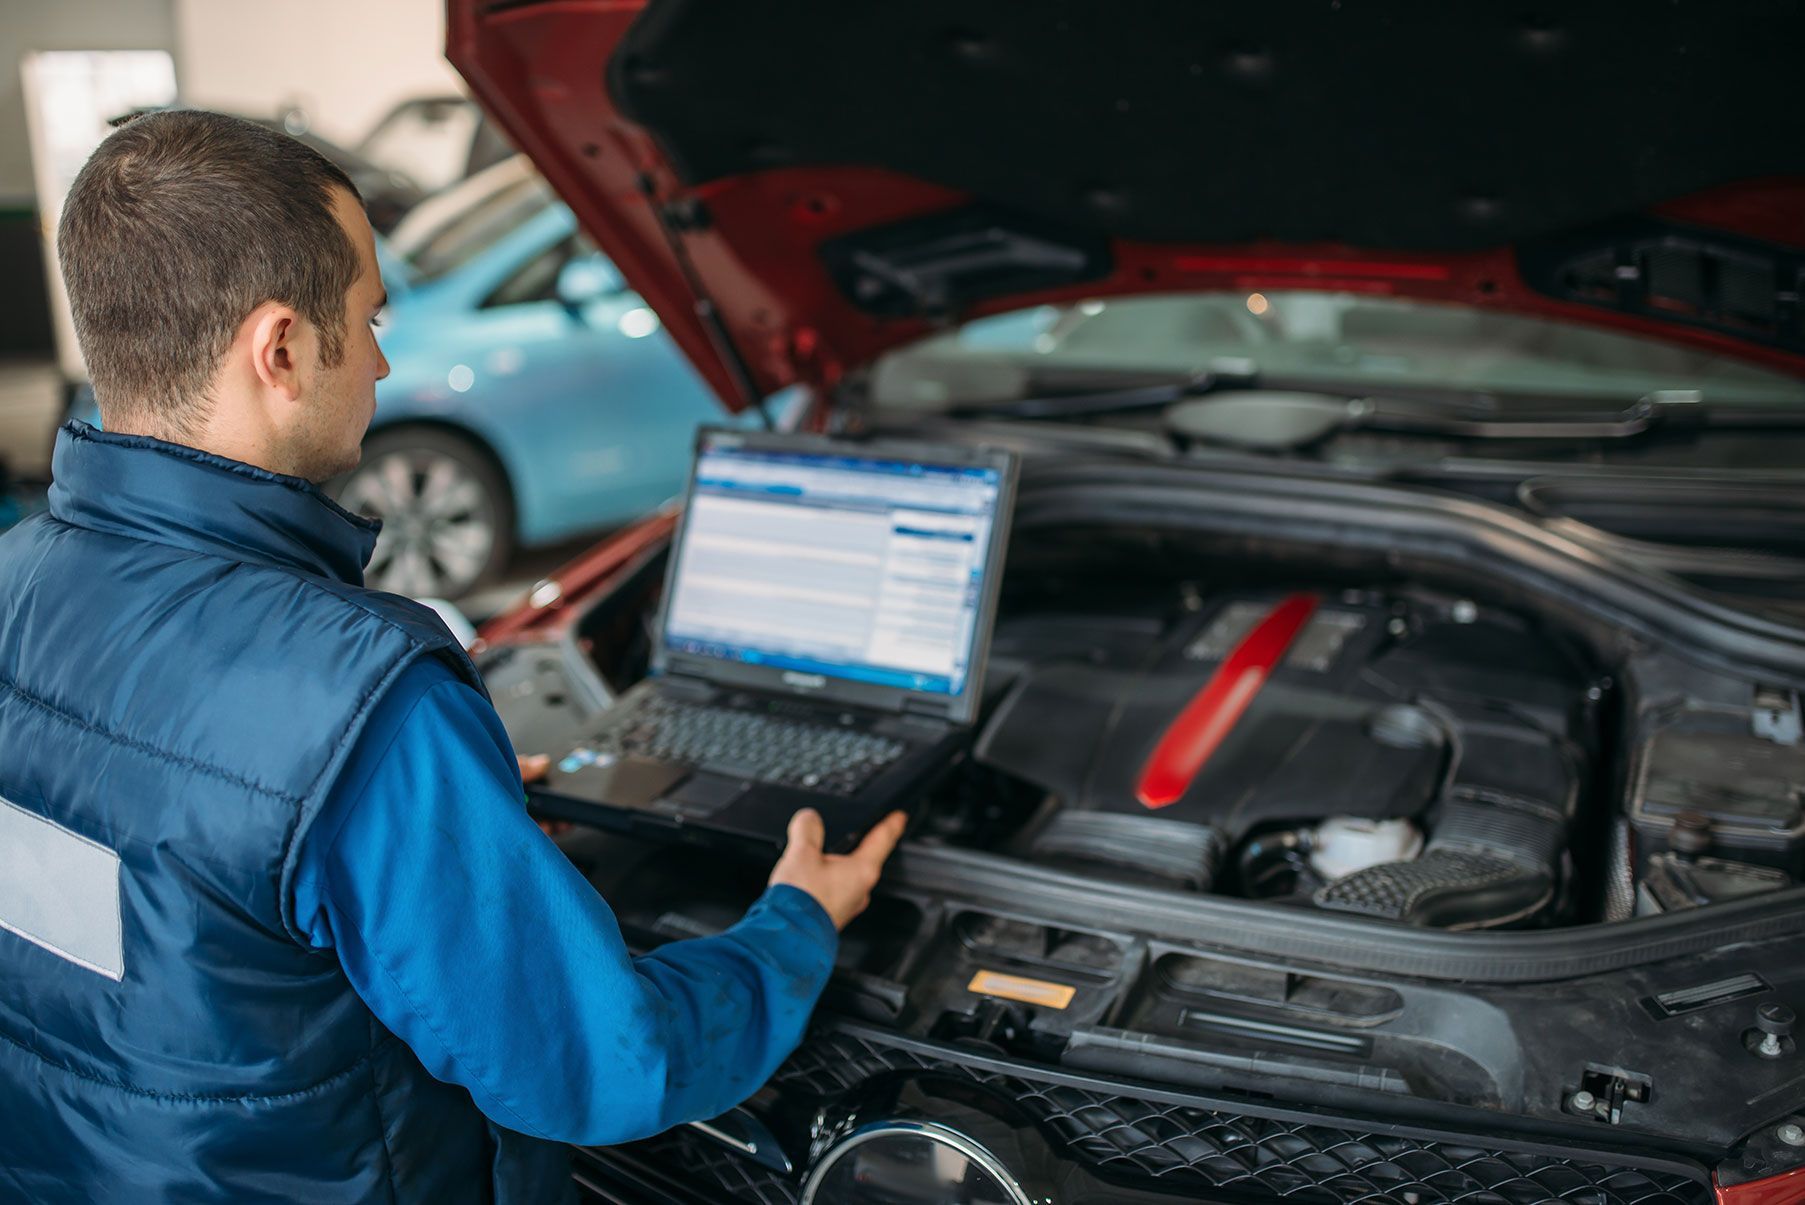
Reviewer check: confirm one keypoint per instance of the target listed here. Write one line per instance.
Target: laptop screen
(834, 564)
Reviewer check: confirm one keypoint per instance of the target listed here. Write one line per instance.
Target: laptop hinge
(924, 709)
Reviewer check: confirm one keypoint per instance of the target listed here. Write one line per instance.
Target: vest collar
(136, 486)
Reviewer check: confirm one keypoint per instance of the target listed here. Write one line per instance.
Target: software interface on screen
(869, 570)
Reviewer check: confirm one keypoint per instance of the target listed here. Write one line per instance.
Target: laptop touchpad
(705, 794)
(631, 781)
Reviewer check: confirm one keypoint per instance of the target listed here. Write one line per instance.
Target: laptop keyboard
(748, 744)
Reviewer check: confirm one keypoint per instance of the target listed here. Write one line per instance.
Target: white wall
(27, 25)
(345, 62)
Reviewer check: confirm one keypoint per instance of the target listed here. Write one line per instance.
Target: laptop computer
(827, 612)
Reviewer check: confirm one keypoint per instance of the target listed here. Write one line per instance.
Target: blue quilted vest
(187, 655)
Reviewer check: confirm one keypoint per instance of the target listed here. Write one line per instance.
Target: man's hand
(840, 883)
(532, 769)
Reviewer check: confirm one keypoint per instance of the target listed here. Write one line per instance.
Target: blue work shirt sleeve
(473, 939)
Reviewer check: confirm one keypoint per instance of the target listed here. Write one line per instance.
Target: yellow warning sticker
(1028, 991)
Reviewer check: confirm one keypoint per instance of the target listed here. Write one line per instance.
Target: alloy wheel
(439, 521)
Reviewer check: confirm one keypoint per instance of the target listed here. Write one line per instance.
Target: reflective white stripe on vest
(60, 890)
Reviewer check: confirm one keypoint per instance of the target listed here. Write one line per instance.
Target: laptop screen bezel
(960, 708)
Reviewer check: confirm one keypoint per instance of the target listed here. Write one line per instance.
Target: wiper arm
(1467, 415)
(1312, 415)
(1086, 402)
(1663, 412)
(1645, 414)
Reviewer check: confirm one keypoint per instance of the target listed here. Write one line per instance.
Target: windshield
(1310, 339)
(474, 230)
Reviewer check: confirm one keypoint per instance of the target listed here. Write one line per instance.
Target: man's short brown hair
(182, 223)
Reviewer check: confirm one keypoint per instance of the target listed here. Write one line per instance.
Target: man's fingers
(533, 768)
(875, 849)
(806, 833)
(841, 885)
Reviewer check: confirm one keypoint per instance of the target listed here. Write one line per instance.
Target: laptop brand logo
(804, 681)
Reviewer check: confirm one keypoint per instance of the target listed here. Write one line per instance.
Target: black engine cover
(1377, 707)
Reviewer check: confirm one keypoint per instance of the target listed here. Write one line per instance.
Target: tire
(447, 512)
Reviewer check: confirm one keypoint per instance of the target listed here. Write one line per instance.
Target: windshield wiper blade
(1663, 412)
(1317, 414)
(1641, 416)
(1473, 415)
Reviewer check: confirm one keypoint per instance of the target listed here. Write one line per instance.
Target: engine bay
(1174, 736)
(1377, 748)
(1415, 759)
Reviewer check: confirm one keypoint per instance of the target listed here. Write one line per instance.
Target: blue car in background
(532, 396)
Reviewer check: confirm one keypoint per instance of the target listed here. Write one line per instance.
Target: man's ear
(275, 330)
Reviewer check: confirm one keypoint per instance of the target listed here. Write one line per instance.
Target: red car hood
(796, 188)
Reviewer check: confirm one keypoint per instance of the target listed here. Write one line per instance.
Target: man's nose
(382, 363)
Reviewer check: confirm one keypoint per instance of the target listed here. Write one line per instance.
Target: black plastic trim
(1622, 250)
(1337, 941)
(1401, 524)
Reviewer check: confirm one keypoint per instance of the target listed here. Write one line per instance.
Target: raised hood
(798, 187)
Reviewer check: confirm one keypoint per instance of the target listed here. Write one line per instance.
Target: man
(274, 924)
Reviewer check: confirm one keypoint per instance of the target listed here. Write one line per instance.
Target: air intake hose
(1491, 861)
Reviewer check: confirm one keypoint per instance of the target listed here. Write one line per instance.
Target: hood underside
(799, 188)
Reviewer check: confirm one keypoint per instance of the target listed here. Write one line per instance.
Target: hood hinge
(678, 218)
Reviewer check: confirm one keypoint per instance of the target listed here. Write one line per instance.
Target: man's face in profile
(339, 400)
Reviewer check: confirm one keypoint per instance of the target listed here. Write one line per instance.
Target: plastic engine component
(1492, 862)
(1745, 789)
(1439, 888)
(1185, 854)
(1377, 719)
(1343, 845)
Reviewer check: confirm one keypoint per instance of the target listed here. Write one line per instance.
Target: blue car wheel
(447, 513)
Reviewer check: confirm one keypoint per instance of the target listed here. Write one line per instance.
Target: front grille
(1185, 1150)
(716, 1173)
(1187, 1147)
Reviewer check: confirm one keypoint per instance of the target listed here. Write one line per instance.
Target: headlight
(910, 1163)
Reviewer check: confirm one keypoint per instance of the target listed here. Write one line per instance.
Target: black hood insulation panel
(1430, 127)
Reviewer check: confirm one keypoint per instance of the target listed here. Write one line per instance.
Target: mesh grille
(1394, 889)
(1184, 1150)
(716, 1173)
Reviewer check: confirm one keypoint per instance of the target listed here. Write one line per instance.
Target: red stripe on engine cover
(1215, 710)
